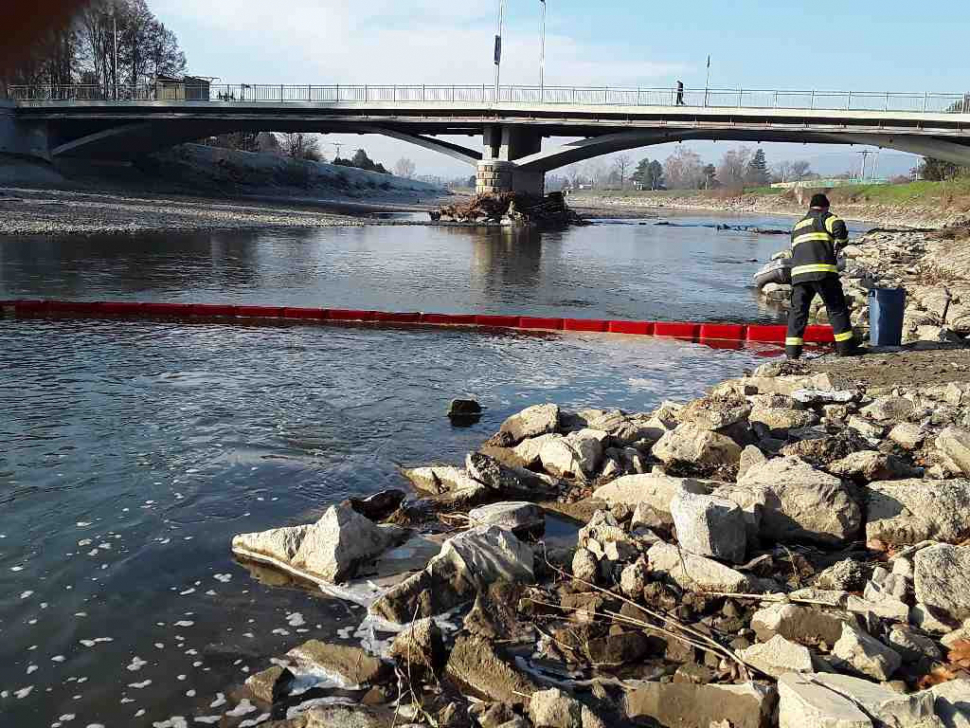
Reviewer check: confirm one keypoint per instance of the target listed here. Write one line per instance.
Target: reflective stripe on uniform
(808, 222)
(819, 268)
(811, 238)
(792, 341)
(847, 336)
(830, 223)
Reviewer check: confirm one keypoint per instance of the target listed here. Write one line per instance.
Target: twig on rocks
(712, 644)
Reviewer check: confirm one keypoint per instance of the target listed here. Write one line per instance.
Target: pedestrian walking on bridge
(815, 241)
(680, 93)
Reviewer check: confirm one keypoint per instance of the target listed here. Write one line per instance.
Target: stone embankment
(933, 268)
(789, 550)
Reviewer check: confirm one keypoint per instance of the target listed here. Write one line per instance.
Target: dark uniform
(815, 272)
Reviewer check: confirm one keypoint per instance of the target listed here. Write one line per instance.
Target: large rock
(654, 490)
(870, 465)
(802, 624)
(466, 564)
(576, 455)
(750, 457)
(695, 573)
(328, 716)
(420, 645)
(910, 511)
(475, 664)
(624, 429)
(528, 450)
(555, 709)
(952, 703)
(700, 450)
(886, 706)
(866, 655)
(908, 436)
(912, 646)
(715, 413)
(533, 421)
(514, 515)
(709, 526)
(804, 703)
(890, 409)
(499, 478)
(438, 479)
(752, 502)
(351, 666)
(777, 657)
(805, 504)
(955, 443)
(778, 421)
(685, 705)
(330, 550)
(270, 685)
(942, 576)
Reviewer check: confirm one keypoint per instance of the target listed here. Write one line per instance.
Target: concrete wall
(21, 138)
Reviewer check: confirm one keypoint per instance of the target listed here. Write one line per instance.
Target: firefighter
(815, 240)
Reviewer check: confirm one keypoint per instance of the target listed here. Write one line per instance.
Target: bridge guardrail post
(848, 101)
(887, 101)
(813, 100)
(925, 94)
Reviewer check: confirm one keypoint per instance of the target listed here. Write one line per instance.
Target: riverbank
(787, 545)
(192, 188)
(919, 205)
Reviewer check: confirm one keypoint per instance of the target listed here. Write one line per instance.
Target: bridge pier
(20, 138)
(498, 172)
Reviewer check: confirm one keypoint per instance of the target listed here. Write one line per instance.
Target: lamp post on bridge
(542, 53)
(498, 47)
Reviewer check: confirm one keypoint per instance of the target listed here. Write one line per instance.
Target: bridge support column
(498, 172)
(20, 138)
(495, 177)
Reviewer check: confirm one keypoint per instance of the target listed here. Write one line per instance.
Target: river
(131, 452)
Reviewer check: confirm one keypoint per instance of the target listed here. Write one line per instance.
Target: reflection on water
(622, 270)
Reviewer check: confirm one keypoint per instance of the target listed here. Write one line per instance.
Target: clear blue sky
(889, 46)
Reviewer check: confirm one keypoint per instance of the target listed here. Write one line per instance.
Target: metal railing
(484, 94)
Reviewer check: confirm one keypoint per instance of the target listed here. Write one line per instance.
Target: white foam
(244, 708)
(137, 664)
(141, 685)
(23, 692)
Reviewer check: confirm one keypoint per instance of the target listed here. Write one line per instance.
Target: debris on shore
(789, 550)
(511, 208)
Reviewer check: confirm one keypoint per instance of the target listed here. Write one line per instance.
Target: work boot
(793, 352)
(847, 348)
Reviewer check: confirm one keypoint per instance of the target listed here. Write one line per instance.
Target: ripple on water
(183, 436)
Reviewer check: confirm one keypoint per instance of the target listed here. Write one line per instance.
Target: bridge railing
(485, 94)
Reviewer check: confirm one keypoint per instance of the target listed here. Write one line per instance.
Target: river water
(131, 452)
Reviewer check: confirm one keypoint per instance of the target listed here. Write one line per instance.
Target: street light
(542, 53)
(498, 47)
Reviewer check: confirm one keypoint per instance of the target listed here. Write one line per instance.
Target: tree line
(111, 45)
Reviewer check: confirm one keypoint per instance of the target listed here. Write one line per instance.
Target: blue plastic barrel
(886, 309)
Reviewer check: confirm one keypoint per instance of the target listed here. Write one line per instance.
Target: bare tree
(782, 172)
(302, 146)
(733, 167)
(801, 170)
(622, 163)
(405, 168)
(684, 170)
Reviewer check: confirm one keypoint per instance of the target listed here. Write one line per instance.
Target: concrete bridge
(82, 121)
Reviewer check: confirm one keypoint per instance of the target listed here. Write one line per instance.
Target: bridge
(86, 121)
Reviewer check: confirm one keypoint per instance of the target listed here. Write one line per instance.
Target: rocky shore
(789, 550)
(932, 267)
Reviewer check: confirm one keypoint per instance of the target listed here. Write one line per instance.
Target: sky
(790, 45)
